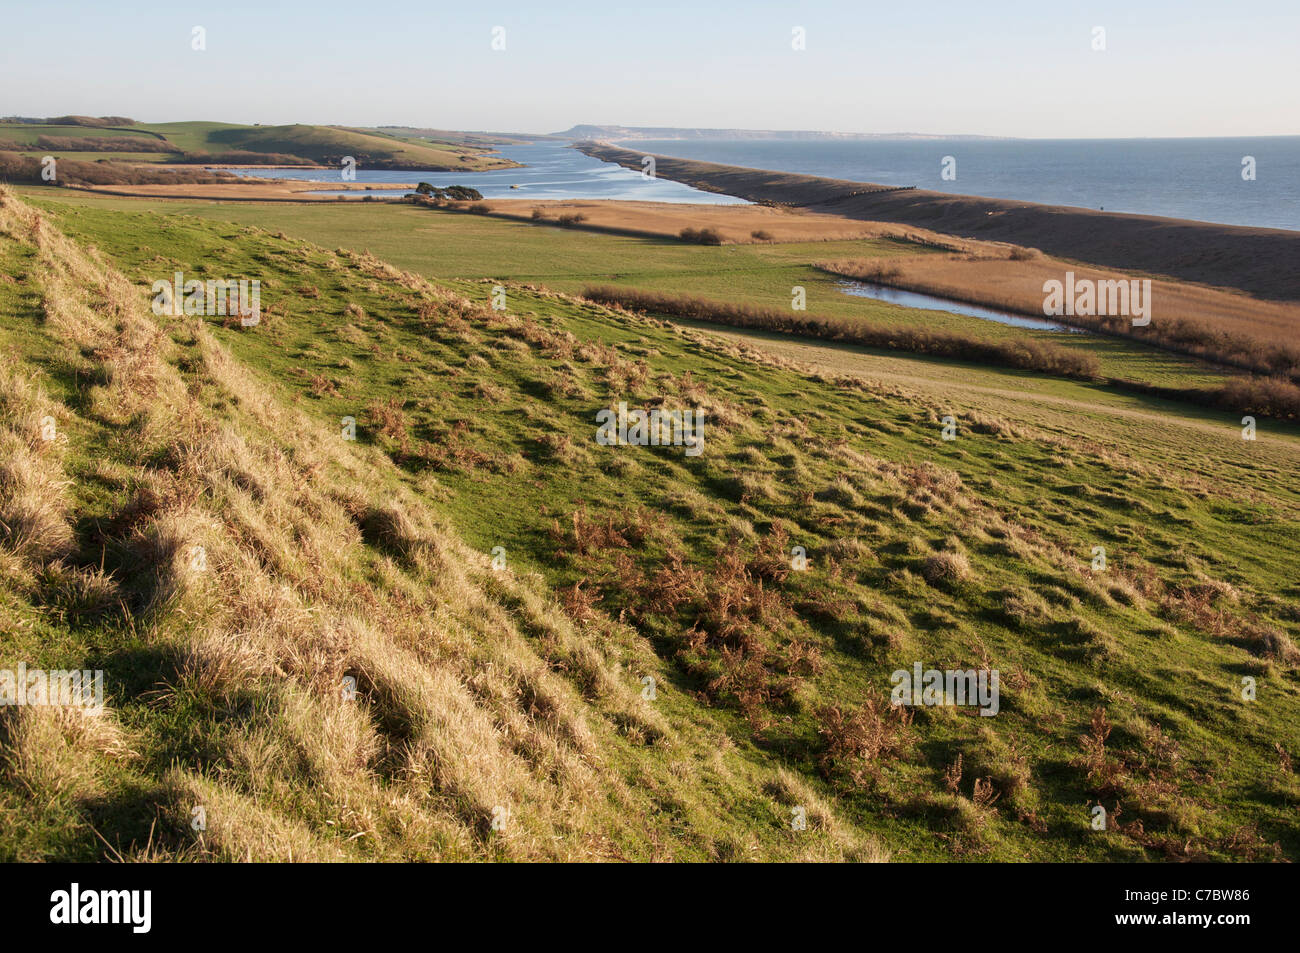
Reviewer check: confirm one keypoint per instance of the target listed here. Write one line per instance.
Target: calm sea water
(553, 171)
(1180, 178)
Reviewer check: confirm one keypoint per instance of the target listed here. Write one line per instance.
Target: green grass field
(441, 244)
(1120, 686)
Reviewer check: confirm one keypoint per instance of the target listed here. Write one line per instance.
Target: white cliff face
(614, 133)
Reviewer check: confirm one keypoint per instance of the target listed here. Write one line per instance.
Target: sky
(998, 67)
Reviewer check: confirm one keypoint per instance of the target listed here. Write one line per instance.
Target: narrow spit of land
(1259, 261)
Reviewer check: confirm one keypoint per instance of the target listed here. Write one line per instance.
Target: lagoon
(552, 171)
(925, 302)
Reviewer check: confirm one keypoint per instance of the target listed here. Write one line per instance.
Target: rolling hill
(243, 145)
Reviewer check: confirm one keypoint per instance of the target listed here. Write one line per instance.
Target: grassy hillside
(319, 144)
(478, 698)
(451, 137)
(326, 144)
(446, 244)
(521, 688)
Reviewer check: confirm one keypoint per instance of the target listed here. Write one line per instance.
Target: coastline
(1259, 261)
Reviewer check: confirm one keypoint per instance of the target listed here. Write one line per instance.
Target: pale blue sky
(1001, 67)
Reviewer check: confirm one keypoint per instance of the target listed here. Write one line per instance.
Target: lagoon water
(553, 171)
(1181, 178)
(925, 302)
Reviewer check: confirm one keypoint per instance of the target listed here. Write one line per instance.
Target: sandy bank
(253, 190)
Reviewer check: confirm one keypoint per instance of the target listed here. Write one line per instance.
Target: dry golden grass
(790, 791)
(1233, 327)
(478, 699)
(454, 706)
(33, 504)
(251, 190)
(735, 224)
(946, 569)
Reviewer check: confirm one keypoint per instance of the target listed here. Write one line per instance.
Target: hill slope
(328, 144)
(477, 698)
(521, 688)
(237, 144)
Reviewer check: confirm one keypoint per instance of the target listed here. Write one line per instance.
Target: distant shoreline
(1259, 261)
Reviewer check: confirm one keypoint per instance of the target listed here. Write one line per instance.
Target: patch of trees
(104, 144)
(99, 122)
(701, 236)
(565, 221)
(1023, 354)
(241, 157)
(19, 168)
(452, 193)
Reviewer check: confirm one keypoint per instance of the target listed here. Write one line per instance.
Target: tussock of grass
(946, 569)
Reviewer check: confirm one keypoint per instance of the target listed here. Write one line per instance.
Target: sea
(1233, 181)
